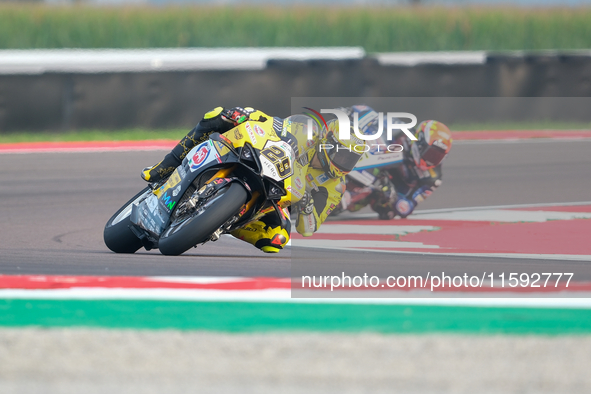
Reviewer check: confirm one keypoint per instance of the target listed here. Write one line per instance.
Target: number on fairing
(279, 158)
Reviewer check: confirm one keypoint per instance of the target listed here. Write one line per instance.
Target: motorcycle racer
(397, 189)
(316, 187)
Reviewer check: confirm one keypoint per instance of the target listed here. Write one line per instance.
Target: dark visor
(433, 155)
(342, 158)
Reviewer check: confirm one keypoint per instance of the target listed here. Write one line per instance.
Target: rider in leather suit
(317, 185)
(397, 189)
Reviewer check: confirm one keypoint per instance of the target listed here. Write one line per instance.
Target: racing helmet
(368, 119)
(432, 145)
(336, 155)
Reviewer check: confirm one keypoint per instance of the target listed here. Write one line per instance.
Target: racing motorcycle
(222, 184)
(370, 178)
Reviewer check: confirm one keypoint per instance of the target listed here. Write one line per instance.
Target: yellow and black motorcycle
(221, 185)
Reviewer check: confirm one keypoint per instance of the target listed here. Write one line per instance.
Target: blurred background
(158, 65)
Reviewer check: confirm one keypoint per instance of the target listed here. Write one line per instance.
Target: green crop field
(374, 28)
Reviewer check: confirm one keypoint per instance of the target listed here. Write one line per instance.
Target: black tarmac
(54, 207)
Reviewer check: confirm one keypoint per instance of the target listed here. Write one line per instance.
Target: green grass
(177, 134)
(269, 316)
(94, 135)
(376, 29)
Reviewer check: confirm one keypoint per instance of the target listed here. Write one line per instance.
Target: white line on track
(379, 229)
(284, 295)
(500, 215)
(372, 215)
(522, 140)
(359, 244)
(557, 257)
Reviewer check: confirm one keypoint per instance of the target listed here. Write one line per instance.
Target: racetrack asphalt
(54, 207)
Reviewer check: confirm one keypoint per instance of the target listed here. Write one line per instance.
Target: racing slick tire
(117, 235)
(181, 236)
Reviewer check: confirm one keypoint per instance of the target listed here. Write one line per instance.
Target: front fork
(223, 173)
(217, 181)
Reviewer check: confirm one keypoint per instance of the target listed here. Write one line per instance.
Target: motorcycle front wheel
(186, 232)
(117, 235)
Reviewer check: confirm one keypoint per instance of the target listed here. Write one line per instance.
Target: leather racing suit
(390, 190)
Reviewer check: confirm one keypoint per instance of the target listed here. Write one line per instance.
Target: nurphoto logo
(393, 122)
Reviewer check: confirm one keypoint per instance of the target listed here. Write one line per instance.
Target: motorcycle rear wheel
(117, 235)
(182, 236)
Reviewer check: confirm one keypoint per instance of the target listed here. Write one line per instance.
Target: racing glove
(306, 220)
(306, 204)
(236, 115)
(424, 191)
(383, 198)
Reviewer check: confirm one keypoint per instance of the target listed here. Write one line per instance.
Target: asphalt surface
(54, 207)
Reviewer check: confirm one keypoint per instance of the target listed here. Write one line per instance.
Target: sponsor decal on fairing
(201, 155)
(322, 178)
(295, 192)
(152, 202)
(259, 130)
(251, 134)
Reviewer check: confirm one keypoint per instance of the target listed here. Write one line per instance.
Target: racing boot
(270, 234)
(161, 170)
(218, 119)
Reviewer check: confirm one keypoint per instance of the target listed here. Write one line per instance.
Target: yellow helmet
(339, 156)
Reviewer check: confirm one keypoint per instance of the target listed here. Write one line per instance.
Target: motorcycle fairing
(276, 158)
(154, 213)
(379, 159)
(201, 155)
(261, 136)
